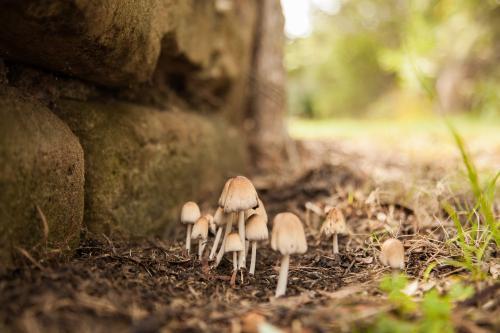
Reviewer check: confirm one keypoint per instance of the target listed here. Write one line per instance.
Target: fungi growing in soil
(288, 238)
(190, 213)
(237, 197)
(228, 221)
(393, 254)
(235, 245)
(333, 226)
(200, 232)
(256, 230)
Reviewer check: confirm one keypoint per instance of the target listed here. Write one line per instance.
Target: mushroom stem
(283, 277)
(188, 238)
(254, 255)
(216, 243)
(241, 231)
(220, 254)
(201, 248)
(235, 261)
(335, 244)
(247, 246)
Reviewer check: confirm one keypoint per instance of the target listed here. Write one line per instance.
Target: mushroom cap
(223, 195)
(190, 213)
(240, 195)
(220, 217)
(288, 235)
(200, 228)
(393, 253)
(261, 210)
(256, 228)
(334, 223)
(233, 243)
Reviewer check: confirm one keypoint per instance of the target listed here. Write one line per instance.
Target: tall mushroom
(190, 213)
(229, 220)
(240, 196)
(235, 245)
(393, 254)
(333, 226)
(256, 230)
(288, 238)
(200, 232)
(219, 221)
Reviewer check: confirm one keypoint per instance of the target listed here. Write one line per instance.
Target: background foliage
(381, 57)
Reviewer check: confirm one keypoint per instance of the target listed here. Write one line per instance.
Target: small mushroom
(288, 238)
(219, 221)
(237, 197)
(256, 230)
(333, 226)
(190, 213)
(393, 254)
(235, 245)
(261, 210)
(200, 233)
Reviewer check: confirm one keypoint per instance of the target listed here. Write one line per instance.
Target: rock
(109, 42)
(118, 43)
(41, 164)
(141, 164)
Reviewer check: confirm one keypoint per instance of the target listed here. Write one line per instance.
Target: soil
(153, 286)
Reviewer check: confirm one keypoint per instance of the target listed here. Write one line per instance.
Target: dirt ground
(152, 286)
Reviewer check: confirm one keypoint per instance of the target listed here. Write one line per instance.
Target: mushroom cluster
(240, 222)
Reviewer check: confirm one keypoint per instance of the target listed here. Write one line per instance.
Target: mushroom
(190, 213)
(288, 238)
(256, 230)
(334, 225)
(219, 221)
(233, 244)
(200, 232)
(261, 210)
(237, 197)
(393, 254)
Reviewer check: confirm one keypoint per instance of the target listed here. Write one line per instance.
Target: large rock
(142, 164)
(41, 164)
(118, 42)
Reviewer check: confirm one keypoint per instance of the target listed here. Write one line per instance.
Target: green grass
(478, 226)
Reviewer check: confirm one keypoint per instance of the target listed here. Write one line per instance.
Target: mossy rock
(41, 165)
(141, 164)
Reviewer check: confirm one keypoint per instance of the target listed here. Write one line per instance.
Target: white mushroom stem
(220, 254)
(283, 277)
(335, 244)
(235, 261)
(247, 246)
(241, 231)
(254, 255)
(216, 243)
(188, 238)
(201, 247)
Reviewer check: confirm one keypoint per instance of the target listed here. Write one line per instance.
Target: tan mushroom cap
(261, 210)
(233, 243)
(200, 228)
(256, 228)
(223, 195)
(190, 213)
(240, 195)
(219, 217)
(393, 253)
(288, 235)
(334, 223)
